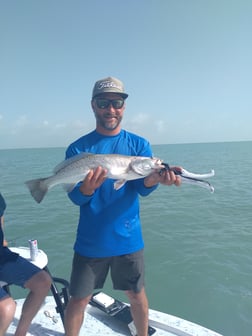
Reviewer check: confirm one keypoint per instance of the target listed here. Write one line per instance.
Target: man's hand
(93, 180)
(166, 177)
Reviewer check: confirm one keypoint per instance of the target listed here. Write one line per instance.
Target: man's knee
(7, 311)
(39, 280)
(137, 297)
(78, 304)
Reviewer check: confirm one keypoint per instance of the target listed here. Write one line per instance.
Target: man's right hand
(93, 180)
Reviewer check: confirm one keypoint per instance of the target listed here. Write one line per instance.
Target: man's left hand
(166, 177)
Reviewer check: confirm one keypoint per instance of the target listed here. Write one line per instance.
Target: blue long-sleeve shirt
(5, 254)
(109, 222)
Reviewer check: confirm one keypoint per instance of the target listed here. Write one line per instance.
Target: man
(109, 231)
(17, 270)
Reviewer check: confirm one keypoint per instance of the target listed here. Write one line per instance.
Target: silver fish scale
(119, 167)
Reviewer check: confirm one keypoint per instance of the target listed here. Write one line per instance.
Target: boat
(105, 315)
(97, 322)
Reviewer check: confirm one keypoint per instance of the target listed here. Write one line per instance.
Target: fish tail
(38, 188)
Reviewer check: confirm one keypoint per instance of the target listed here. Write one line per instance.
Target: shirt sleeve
(2, 205)
(77, 197)
(142, 189)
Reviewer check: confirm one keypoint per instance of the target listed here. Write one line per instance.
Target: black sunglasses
(103, 103)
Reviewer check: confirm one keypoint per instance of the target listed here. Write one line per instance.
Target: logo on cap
(109, 84)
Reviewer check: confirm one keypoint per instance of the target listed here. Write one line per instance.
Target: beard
(108, 122)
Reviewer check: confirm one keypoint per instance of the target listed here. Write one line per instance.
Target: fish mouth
(160, 163)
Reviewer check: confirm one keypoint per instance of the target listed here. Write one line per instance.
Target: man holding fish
(109, 233)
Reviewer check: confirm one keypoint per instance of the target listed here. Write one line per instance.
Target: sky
(186, 65)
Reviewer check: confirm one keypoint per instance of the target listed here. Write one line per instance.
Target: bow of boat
(48, 323)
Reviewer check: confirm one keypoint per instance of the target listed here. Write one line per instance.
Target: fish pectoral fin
(119, 184)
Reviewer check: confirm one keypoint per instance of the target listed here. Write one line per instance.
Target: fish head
(144, 166)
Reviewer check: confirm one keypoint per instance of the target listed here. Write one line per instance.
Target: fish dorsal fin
(72, 159)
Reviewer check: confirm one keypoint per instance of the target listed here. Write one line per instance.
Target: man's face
(108, 109)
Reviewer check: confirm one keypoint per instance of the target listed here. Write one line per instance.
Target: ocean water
(198, 245)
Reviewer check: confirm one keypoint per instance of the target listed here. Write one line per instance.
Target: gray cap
(109, 84)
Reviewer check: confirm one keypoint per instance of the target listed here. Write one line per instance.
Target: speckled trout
(121, 168)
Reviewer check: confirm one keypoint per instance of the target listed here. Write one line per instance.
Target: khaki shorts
(88, 274)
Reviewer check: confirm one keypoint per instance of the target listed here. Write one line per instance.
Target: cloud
(27, 133)
(155, 130)
(60, 126)
(160, 126)
(22, 121)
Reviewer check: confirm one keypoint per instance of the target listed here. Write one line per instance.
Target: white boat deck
(48, 323)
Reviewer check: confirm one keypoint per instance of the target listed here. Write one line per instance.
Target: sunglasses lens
(104, 103)
(117, 103)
